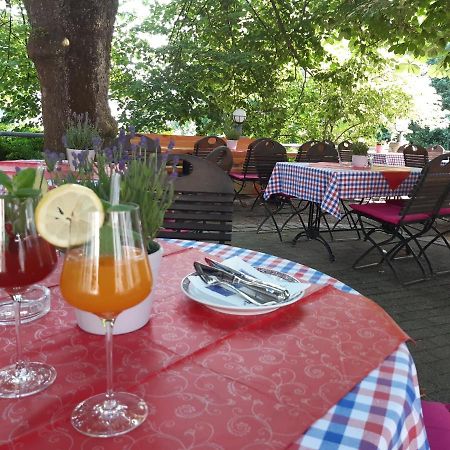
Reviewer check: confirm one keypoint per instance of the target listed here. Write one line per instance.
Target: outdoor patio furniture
(303, 150)
(206, 144)
(324, 185)
(405, 223)
(436, 417)
(345, 151)
(267, 154)
(322, 151)
(222, 156)
(248, 174)
(415, 155)
(203, 204)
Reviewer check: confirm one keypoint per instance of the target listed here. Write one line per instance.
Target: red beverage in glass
(25, 261)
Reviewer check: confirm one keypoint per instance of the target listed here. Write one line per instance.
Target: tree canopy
(308, 69)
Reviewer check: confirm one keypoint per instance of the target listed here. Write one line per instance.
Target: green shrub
(21, 148)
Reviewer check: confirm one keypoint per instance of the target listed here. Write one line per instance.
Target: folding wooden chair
(205, 145)
(405, 223)
(203, 204)
(415, 155)
(267, 153)
(248, 174)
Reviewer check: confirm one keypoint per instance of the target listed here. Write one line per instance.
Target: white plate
(219, 305)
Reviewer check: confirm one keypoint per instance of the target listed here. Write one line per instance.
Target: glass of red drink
(25, 259)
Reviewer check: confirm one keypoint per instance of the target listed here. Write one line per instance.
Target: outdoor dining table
(325, 185)
(331, 371)
(394, 159)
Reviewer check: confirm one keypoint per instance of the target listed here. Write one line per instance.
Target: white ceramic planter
(232, 144)
(129, 320)
(72, 152)
(360, 161)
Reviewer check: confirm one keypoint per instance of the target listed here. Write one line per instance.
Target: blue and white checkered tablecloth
(389, 159)
(326, 186)
(382, 412)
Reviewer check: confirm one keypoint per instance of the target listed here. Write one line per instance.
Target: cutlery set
(250, 288)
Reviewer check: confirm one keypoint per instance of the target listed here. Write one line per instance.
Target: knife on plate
(272, 289)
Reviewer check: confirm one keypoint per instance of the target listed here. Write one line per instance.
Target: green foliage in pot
(81, 133)
(232, 133)
(360, 148)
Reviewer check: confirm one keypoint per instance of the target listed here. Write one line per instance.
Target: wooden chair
(322, 151)
(267, 154)
(203, 204)
(415, 155)
(345, 151)
(221, 156)
(303, 150)
(205, 145)
(406, 222)
(248, 174)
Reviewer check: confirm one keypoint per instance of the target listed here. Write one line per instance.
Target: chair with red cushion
(267, 153)
(436, 417)
(248, 174)
(404, 224)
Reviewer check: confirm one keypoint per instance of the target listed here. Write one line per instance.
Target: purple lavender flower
(96, 142)
(171, 145)
(64, 140)
(132, 130)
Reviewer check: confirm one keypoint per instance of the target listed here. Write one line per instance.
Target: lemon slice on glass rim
(62, 215)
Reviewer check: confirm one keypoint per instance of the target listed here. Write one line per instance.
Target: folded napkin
(221, 296)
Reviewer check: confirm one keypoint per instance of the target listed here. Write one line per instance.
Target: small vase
(72, 154)
(360, 161)
(131, 319)
(232, 144)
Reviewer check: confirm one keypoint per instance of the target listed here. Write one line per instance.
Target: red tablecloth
(209, 379)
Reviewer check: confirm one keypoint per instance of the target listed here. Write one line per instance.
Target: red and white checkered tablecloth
(389, 159)
(326, 186)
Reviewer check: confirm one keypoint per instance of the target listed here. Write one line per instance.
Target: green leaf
(24, 179)
(5, 181)
(27, 192)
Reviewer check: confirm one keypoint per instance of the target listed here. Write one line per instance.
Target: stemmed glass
(105, 272)
(25, 258)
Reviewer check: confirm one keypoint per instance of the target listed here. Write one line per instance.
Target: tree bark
(70, 46)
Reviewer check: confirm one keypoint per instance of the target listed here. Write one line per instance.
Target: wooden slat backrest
(431, 190)
(322, 151)
(203, 203)
(222, 156)
(303, 150)
(267, 153)
(206, 144)
(345, 151)
(415, 155)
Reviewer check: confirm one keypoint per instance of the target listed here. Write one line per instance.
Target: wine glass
(26, 258)
(106, 271)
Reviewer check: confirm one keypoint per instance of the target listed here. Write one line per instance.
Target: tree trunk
(70, 46)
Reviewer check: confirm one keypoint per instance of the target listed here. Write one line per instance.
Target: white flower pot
(360, 160)
(232, 144)
(71, 155)
(129, 320)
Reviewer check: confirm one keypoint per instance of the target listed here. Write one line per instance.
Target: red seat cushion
(444, 212)
(436, 417)
(240, 176)
(387, 212)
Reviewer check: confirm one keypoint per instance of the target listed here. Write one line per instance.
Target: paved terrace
(422, 310)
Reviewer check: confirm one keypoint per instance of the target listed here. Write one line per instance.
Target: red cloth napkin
(395, 178)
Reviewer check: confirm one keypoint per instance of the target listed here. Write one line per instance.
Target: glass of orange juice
(106, 271)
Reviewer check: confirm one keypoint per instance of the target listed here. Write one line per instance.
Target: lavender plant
(81, 133)
(145, 179)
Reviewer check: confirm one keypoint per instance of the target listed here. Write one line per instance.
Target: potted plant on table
(145, 181)
(359, 154)
(232, 134)
(81, 140)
